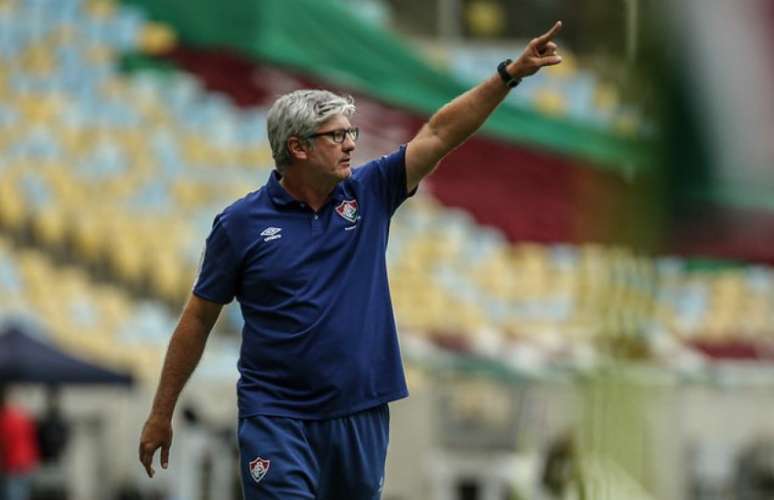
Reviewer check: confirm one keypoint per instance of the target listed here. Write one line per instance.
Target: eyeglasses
(339, 135)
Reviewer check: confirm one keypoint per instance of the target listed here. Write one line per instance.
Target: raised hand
(540, 51)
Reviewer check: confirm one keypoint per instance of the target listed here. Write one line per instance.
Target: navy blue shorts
(340, 458)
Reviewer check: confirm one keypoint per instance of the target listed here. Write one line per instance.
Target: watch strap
(509, 80)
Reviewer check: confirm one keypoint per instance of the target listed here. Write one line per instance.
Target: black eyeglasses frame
(352, 132)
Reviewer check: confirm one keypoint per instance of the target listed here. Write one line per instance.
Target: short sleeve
(386, 176)
(217, 281)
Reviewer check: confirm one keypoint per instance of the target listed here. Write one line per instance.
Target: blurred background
(584, 290)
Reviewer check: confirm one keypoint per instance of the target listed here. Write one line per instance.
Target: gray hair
(299, 114)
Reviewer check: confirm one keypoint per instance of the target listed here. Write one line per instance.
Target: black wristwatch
(508, 79)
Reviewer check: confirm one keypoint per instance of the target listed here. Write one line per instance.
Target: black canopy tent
(29, 358)
(26, 359)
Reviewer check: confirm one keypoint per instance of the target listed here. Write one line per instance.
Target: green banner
(323, 39)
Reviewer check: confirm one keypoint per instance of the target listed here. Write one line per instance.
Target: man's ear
(297, 149)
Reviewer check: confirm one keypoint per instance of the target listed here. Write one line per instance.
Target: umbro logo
(271, 233)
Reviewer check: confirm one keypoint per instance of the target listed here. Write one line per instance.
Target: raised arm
(183, 354)
(459, 119)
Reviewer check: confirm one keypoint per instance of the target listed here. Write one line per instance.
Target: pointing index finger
(545, 37)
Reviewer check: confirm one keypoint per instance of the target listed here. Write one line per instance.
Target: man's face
(330, 159)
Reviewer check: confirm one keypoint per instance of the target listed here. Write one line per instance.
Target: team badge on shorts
(349, 210)
(259, 467)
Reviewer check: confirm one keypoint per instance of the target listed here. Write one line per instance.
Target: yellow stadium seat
(114, 305)
(164, 275)
(756, 312)
(606, 98)
(4, 72)
(63, 34)
(38, 60)
(12, 207)
(471, 318)
(566, 70)
(485, 18)
(88, 239)
(256, 155)
(127, 260)
(101, 8)
(550, 102)
(49, 226)
(35, 268)
(157, 38)
(99, 55)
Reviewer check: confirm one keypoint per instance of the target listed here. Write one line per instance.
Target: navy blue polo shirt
(319, 339)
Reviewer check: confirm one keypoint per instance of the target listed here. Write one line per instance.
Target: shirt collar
(282, 198)
(277, 193)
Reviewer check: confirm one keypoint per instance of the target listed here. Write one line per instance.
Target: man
(305, 257)
(53, 428)
(19, 454)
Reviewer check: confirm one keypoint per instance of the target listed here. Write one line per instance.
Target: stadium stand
(97, 320)
(120, 176)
